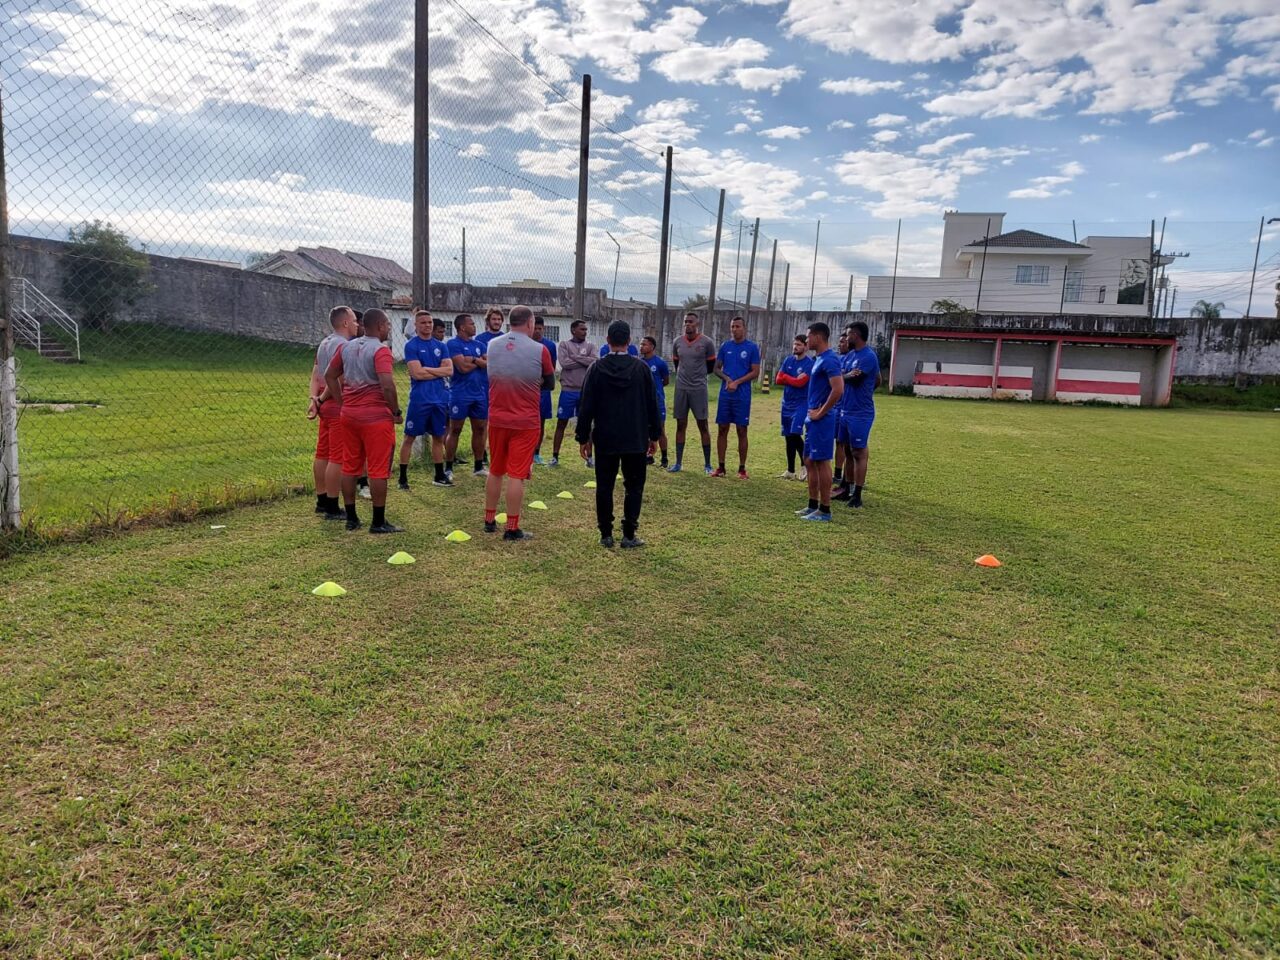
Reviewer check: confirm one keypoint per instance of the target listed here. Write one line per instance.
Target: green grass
(756, 738)
(1260, 396)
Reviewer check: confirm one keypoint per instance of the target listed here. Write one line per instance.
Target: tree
(952, 308)
(694, 302)
(103, 272)
(1210, 311)
(254, 260)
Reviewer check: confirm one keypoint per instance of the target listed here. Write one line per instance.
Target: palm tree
(1210, 311)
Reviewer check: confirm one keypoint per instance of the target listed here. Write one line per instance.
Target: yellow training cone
(537, 505)
(458, 536)
(987, 560)
(400, 557)
(590, 484)
(329, 589)
(565, 495)
(500, 518)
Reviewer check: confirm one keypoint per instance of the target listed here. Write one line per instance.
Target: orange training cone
(987, 560)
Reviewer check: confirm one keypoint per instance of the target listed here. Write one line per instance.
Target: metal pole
(584, 156)
(1253, 279)
(897, 245)
(786, 282)
(10, 501)
(421, 160)
(848, 303)
(768, 297)
(715, 266)
(1062, 301)
(814, 276)
(616, 261)
(1173, 302)
(751, 270)
(737, 268)
(983, 269)
(464, 256)
(661, 319)
(1151, 272)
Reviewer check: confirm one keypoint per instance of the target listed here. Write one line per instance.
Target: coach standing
(618, 414)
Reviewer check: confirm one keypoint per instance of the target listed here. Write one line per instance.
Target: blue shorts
(855, 430)
(544, 406)
(793, 421)
(431, 419)
(820, 438)
(734, 407)
(475, 408)
(567, 408)
(662, 405)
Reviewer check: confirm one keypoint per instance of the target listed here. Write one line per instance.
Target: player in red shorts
(361, 371)
(327, 468)
(520, 368)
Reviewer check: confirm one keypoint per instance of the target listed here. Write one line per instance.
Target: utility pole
(768, 296)
(813, 277)
(584, 157)
(986, 237)
(1151, 273)
(616, 261)
(10, 501)
(786, 282)
(897, 245)
(421, 160)
(1254, 278)
(737, 268)
(848, 303)
(464, 256)
(661, 319)
(751, 270)
(715, 266)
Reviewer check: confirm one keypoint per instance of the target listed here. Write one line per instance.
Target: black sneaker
(385, 527)
(515, 535)
(335, 515)
(354, 524)
(443, 482)
(855, 502)
(403, 485)
(321, 508)
(491, 526)
(606, 541)
(632, 543)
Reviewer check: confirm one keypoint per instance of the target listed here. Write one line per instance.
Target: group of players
(828, 405)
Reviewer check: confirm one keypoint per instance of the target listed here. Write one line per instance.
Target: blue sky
(220, 128)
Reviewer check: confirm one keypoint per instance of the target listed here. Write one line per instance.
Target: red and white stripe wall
(943, 371)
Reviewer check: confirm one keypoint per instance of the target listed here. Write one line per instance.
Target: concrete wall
(1216, 351)
(1141, 360)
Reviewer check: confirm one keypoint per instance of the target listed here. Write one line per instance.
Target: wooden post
(584, 156)
(660, 322)
(421, 160)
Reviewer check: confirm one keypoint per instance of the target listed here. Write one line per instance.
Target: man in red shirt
(361, 373)
(327, 469)
(520, 368)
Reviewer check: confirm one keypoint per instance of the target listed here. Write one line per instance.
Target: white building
(1023, 272)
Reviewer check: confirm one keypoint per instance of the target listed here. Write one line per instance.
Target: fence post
(715, 267)
(661, 318)
(751, 270)
(421, 160)
(584, 153)
(768, 298)
(786, 282)
(893, 289)
(10, 502)
(813, 277)
(848, 303)
(737, 268)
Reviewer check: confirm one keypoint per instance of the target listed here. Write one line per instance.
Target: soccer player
(520, 370)
(618, 419)
(576, 355)
(840, 491)
(429, 369)
(661, 377)
(861, 377)
(737, 364)
(631, 350)
(694, 357)
(825, 389)
(362, 481)
(492, 327)
(360, 372)
(469, 393)
(793, 377)
(327, 468)
(544, 408)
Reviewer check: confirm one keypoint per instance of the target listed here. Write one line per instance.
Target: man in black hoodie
(618, 413)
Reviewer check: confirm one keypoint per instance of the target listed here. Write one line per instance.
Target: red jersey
(359, 362)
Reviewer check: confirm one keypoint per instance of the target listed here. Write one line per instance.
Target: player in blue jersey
(544, 404)
(661, 377)
(826, 386)
(861, 374)
(793, 377)
(469, 396)
(737, 364)
(429, 369)
(839, 490)
(631, 350)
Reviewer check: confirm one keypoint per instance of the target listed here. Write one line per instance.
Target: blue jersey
(485, 339)
(825, 366)
(737, 359)
(429, 353)
(473, 385)
(793, 398)
(631, 350)
(551, 349)
(859, 395)
(658, 367)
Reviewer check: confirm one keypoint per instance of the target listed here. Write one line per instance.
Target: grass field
(755, 738)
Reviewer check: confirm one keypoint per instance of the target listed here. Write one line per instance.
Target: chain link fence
(192, 186)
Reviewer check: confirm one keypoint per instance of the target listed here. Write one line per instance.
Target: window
(1074, 292)
(1031, 274)
(552, 332)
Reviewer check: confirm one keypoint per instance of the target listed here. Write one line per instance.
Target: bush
(103, 273)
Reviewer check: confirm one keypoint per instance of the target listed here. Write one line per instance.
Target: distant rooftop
(1026, 238)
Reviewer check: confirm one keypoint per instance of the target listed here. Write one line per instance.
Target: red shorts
(368, 444)
(511, 451)
(329, 442)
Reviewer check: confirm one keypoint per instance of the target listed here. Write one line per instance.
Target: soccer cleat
(516, 535)
(674, 468)
(717, 472)
(802, 474)
(606, 541)
(806, 511)
(538, 461)
(632, 543)
(742, 473)
(335, 515)
(443, 482)
(787, 475)
(482, 472)
(591, 464)
(491, 526)
(364, 492)
(321, 508)
(708, 471)
(818, 516)
(385, 527)
(855, 502)
(404, 485)
(354, 524)
(553, 462)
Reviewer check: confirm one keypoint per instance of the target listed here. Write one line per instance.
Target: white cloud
(1164, 115)
(474, 150)
(1042, 188)
(741, 128)
(1274, 93)
(887, 120)
(749, 111)
(561, 162)
(860, 86)
(934, 123)
(1257, 134)
(784, 133)
(944, 143)
(908, 186)
(765, 78)
(1111, 122)
(818, 195)
(1071, 169)
(841, 125)
(1268, 141)
(1191, 151)
(770, 148)
(145, 116)
(1090, 137)
(886, 136)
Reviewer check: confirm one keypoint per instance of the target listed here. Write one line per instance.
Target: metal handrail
(27, 329)
(22, 290)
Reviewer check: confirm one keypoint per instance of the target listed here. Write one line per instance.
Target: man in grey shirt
(694, 357)
(575, 355)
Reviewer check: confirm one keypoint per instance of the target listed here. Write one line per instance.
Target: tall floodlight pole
(751, 270)
(421, 194)
(737, 268)
(768, 296)
(584, 156)
(813, 278)
(661, 319)
(715, 266)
